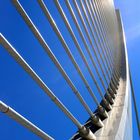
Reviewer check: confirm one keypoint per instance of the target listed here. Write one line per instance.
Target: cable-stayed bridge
(96, 30)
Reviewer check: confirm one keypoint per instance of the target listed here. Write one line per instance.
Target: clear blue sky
(19, 91)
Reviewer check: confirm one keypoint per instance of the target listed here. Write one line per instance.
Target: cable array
(97, 27)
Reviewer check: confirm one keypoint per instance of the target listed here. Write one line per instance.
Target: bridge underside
(118, 125)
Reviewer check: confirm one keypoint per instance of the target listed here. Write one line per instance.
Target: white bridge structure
(100, 28)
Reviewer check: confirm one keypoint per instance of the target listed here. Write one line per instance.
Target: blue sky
(20, 92)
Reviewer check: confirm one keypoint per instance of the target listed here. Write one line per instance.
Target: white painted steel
(23, 121)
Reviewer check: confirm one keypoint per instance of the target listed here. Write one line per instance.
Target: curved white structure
(119, 124)
(100, 30)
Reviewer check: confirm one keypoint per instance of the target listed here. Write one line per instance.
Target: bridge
(99, 27)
